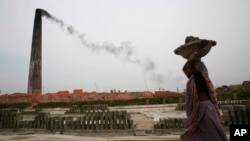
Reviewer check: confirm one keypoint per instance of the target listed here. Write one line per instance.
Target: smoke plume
(124, 50)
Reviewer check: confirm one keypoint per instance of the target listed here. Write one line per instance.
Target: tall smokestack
(35, 69)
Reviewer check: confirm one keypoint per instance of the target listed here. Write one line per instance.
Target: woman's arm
(195, 56)
(193, 59)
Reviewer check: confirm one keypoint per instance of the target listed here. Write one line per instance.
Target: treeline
(22, 105)
(141, 101)
(240, 94)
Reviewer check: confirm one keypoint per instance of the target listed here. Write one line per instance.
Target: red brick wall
(78, 95)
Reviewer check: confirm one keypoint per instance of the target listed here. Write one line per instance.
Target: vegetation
(222, 96)
(15, 105)
(240, 94)
(141, 101)
(243, 94)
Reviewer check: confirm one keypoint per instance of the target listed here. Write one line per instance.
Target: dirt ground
(45, 137)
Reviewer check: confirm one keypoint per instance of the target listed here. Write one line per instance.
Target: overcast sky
(149, 30)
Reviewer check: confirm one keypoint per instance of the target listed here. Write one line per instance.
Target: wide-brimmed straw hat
(192, 44)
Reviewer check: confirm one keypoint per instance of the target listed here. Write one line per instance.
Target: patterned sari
(203, 118)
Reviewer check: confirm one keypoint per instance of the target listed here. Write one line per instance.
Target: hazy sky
(148, 31)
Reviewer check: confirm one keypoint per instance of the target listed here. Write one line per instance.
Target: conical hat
(192, 44)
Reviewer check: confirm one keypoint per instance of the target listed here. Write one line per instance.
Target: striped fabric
(203, 118)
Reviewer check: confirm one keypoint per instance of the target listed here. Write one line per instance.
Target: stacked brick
(92, 118)
(80, 95)
(9, 118)
(108, 120)
(180, 106)
(166, 123)
(98, 117)
(233, 102)
(236, 114)
(85, 108)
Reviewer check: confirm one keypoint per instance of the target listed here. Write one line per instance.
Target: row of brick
(75, 109)
(165, 123)
(13, 119)
(231, 114)
(31, 112)
(105, 112)
(236, 114)
(62, 124)
(233, 102)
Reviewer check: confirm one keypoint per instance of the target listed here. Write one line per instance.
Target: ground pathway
(55, 137)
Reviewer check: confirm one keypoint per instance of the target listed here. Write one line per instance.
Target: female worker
(203, 118)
